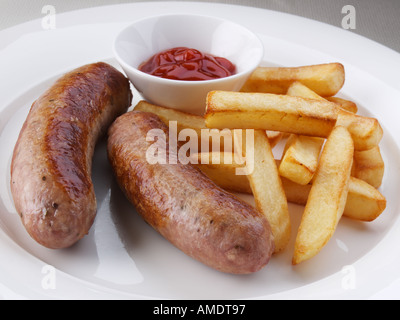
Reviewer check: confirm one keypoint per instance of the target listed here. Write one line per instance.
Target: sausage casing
(186, 207)
(51, 165)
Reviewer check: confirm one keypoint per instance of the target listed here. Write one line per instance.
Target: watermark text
(49, 20)
(349, 20)
(194, 147)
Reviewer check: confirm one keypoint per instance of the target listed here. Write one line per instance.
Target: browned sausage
(186, 207)
(51, 164)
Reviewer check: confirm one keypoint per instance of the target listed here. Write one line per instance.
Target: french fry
(301, 153)
(266, 186)
(328, 196)
(369, 166)
(324, 79)
(300, 158)
(223, 172)
(297, 89)
(274, 137)
(344, 104)
(364, 202)
(284, 113)
(184, 120)
(366, 132)
(189, 121)
(239, 110)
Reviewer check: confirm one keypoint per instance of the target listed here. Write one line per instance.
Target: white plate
(122, 257)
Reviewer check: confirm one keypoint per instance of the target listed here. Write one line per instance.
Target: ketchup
(189, 64)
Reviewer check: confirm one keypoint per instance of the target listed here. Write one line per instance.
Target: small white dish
(144, 38)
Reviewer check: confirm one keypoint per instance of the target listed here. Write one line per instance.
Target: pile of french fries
(331, 162)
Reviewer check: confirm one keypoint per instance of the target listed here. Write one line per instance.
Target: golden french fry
(221, 168)
(239, 110)
(296, 193)
(274, 137)
(369, 166)
(284, 113)
(297, 89)
(366, 132)
(364, 202)
(217, 139)
(344, 104)
(300, 158)
(328, 196)
(184, 120)
(301, 153)
(266, 186)
(189, 121)
(324, 79)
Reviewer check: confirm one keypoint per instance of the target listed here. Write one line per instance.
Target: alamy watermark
(49, 20)
(349, 20)
(349, 277)
(238, 147)
(49, 278)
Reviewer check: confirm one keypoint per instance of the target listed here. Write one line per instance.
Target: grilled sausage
(183, 205)
(51, 165)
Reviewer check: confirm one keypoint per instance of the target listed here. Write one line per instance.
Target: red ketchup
(188, 64)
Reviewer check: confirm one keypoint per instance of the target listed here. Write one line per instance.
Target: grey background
(378, 20)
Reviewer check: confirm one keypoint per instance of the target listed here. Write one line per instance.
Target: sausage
(51, 164)
(185, 206)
